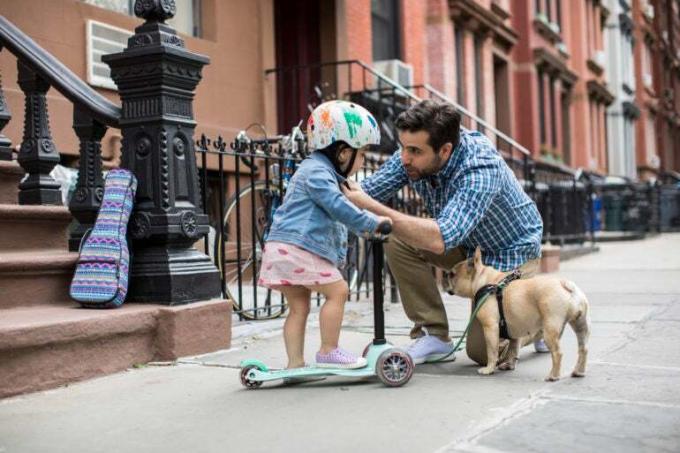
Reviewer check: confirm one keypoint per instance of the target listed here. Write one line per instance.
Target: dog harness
(497, 290)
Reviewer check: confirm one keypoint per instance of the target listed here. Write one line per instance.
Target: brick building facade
(537, 70)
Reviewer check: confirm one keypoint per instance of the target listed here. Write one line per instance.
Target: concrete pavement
(629, 401)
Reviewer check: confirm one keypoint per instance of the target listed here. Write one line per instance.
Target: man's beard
(414, 174)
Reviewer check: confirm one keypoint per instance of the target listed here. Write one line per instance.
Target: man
(474, 200)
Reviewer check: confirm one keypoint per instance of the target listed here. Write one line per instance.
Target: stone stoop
(28, 227)
(11, 174)
(47, 340)
(44, 347)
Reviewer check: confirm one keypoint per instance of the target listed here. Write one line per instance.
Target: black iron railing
(156, 78)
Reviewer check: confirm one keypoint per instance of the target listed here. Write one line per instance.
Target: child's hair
(332, 151)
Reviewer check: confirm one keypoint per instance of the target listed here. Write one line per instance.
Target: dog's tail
(579, 299)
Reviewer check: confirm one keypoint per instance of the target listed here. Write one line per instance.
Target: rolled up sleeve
(389, 178)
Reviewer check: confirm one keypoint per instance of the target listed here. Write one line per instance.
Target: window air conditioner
(648, 11)
(396, 70)
(103, 39)
(647, 80)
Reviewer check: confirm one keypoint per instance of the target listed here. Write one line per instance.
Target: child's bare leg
(296, 321)
(332, 311)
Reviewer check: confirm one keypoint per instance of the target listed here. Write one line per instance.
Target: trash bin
(669, 208)
(596, 213)
(616, 200)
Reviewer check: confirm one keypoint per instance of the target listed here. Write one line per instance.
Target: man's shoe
(430, 349)
(540, 346)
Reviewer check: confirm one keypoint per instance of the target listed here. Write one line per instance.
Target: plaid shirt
(476, 201)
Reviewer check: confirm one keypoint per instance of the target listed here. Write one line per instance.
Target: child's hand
(382, 220)
(352, 185)
(355, 194)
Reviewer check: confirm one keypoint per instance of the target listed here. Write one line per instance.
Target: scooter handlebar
(385, 228)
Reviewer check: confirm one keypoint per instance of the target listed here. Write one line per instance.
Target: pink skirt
(287, 265)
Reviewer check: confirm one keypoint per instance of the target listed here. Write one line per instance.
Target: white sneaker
(430, 349)
(540, 346)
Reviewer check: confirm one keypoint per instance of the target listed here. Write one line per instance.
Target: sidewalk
(629, 401)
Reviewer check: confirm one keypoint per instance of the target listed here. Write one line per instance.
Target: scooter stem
(378, 314)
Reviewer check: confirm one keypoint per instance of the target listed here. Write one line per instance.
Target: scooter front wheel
(394, 367)
(246, 381)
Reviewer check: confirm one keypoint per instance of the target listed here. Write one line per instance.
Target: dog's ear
(478, 259)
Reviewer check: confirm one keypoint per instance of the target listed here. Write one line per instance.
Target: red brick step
(46, 346)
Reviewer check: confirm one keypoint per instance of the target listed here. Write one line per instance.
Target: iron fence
(256, 173)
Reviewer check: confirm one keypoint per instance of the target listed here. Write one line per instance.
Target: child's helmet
(336, 121)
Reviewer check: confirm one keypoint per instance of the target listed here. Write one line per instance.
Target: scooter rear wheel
(246, 381)
(394, 367)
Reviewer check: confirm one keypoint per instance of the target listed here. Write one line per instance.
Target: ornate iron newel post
(156, 78)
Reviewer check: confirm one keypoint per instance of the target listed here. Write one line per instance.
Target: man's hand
(418, 232)
(355, 194)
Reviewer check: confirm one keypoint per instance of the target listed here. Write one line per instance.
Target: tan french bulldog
(542, 303)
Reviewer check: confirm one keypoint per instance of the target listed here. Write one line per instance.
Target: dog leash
(457, 347)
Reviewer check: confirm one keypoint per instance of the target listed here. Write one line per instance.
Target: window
(647, 73)
(479, 78)
(502, 94)
(650, 136)
(460, 61)
(551, 11)
(566, 126)
(553, 113)
(541, 107)
(187, 18)
(385, 28)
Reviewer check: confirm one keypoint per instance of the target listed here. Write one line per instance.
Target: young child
(307, 241)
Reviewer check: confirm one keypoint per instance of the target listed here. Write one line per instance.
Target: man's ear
(478, 259)
(445, 150)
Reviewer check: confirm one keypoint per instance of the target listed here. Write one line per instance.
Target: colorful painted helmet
(335, 121)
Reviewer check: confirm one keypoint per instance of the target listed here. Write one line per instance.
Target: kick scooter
(393, 366)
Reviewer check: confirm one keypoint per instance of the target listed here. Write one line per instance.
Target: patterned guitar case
(101, 277)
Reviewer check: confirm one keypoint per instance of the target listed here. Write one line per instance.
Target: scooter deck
(262, 373)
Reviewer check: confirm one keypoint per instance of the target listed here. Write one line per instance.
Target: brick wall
(440, 48)
(413, 37)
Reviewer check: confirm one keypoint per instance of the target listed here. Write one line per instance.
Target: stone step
(46, 346)
(31, 278)
(11, 174)
(32, 227)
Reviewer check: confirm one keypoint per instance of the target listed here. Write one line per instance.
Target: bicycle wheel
(241, 271)
(246, 219)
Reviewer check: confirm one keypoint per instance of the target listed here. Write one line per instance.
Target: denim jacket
(314, 212)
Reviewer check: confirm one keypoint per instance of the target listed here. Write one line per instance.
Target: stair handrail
(57, 74)
(408, 92)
